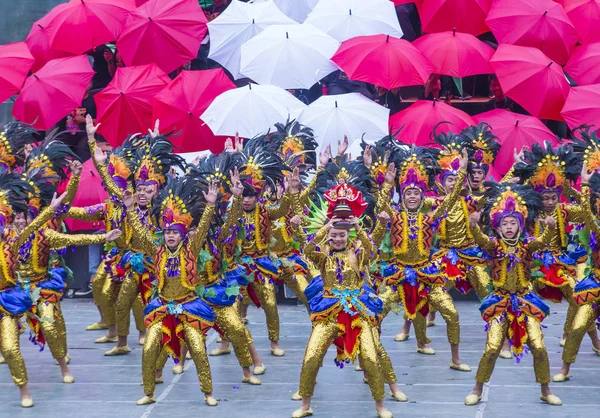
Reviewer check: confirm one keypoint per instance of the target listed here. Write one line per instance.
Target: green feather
(232, 290)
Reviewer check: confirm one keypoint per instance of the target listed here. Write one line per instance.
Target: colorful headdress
(383, 153)
(587, 145)
(43, 185)
(154, 160)
(260, 167)
(481, 145)
(548, 169)
(216, 168)
(516, 200)
(449, 157)
(13, 137)
(120, 161)
(181, 204)
(296, 145)
(51, 157)
(14, 192)
(418, 168)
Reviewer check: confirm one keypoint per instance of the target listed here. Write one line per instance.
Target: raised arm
(449, 201)
(543, 240)
(59, 240)
(33, 226)
(378, 234)
(480, 238)
(312, 250)
(143, 236)
(197, 241)
(234, 212)
(94, 213)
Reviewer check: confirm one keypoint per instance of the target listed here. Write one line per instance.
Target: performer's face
(172, 238)
(549, 201)
(145, 194)
(338, 238)
(509, 227)
(20, 221)
(249, 203)
(412, 199)
(449, 182)
(477, 177)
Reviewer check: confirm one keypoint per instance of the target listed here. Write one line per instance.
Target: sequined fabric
(11, 349)
(230, 323)
(583, 322)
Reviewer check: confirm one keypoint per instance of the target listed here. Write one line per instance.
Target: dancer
(512, 309)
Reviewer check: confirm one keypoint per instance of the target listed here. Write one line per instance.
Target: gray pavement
(109, 386)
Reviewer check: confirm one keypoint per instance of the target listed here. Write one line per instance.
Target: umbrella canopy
(91, 193)
(167, 33)
(417, 121)
(456, 54)
(81, 25)
(15, 63)
(180, 104)
(584, 64)
(295, 9)
(466, 16)
(38, 40)
(384, 61)
(345, 19)
(585, 15)
(289, 56)
(351, 114)
(261, 107)
(237, 24)
(541, 24)
(55, 90)
(125, 106)
(514, 131)
(531, 79)
(582, 106)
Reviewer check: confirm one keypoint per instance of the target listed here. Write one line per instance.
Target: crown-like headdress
(181, 204)
(260, 167)
(587, 145)
(296, 145)
(449, 157)
(120, 161)
(14, 192)
(154, 160)
(383, 153)
(481, 145)
(516, 200)
(418, 168)
(548, 169)
(13, 137)
(215, 169)
(51, 157)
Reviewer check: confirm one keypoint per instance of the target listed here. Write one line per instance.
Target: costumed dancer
(554, 267)
(512, 309)
(177, 314)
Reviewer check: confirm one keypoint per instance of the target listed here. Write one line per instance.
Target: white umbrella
(345, 19)
(351, 114)
(238, 23)
(296, 9)
(289, 56)
(251, 110)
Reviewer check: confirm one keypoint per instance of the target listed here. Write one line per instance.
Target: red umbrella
(542, 24)
(585, 15)
(125, 105)
(15, 63)
(514, 131)
(384, 61)
(81, 25)
(456, 54)
(466, 16)
(168, 33)
(584, 65)
(418, 120)
(51, 93)
(531, 79)
(399, 2)
(582, 106)
(91, 192)
(180, 104)
(39, 42)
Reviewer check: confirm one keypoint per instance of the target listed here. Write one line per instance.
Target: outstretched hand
(57, 200)
(474, 219)
(76, 167)
(128, 200)
(211, 196)
(112, 235)
(90, 129)
(237, 188)
(342, 146)
(390, 174)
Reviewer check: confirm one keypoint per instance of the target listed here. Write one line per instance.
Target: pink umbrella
(15, 63)
(582, 106)
(585, 15)
(531, 79)
(417, 121)
(39, 42)
(542, 24)
(168, 33)
(456, 54)
(466, 16)
(514, 131)
(584, 64)
(51, 93)
(90, 193)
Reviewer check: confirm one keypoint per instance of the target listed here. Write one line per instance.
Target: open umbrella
(585, 15)
(81, 25)
(351, 114)
(15, 63)
(514, 131)
(384, 61)
(289, 56)
(466, 16)
(251, 110)
(125, 106)
(295, 9)
(345, 19)
(55, 90)
(456, 54)
(237, 24)
(417, 121)
(38, 40)
(582, 106)
(542, 24)
(584, 65)
(167, 33)
(90, 193)
(179, 106)
(531, 79)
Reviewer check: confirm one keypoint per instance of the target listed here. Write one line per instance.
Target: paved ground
(109, 387)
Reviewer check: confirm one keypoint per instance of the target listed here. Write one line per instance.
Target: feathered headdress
(260, 167)
(548, 169)
(51, 157)
(481, 145)
(43, 185)
(417, 168)
(516, 200)
(181, 204)
(14, 192)
(13, 137)
(296, 145)
(449, 157)
(215, 169)
(587, 145)
(154, 160)
(120, 161)
(384, 152)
